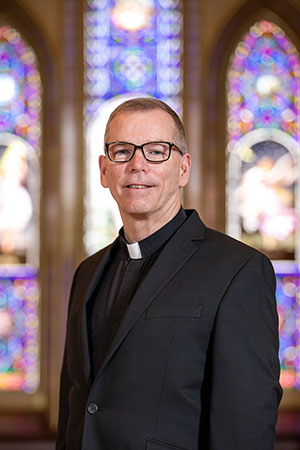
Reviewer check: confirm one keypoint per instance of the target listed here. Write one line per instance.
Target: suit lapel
(172, 258)
(88, 289)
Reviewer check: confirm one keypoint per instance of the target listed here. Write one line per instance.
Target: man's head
(145, 104)
(146, 192)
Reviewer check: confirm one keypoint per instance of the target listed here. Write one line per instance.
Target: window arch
(20, 139)
(132, 48)
(263, 151)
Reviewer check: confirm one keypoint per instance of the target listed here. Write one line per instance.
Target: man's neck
(136, 228)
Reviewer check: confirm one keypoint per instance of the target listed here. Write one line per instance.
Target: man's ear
(102, 167)
(185, 169)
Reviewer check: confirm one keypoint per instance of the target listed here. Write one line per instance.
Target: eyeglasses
(154, 152)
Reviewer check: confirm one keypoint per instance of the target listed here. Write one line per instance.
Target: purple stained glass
(288, 302)
(20, 136)
(132, 48)
(20, 88)
(19, 332)
(263, 98)
(133, 68)
(264, 81)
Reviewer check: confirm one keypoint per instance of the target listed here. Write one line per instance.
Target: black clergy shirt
(118, 283)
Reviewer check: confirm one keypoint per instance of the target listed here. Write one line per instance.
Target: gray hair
(143, 104)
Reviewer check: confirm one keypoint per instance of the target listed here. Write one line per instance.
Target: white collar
(134, 250)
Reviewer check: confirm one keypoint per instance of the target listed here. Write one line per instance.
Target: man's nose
(138, 161)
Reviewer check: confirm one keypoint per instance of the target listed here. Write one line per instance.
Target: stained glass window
(263, 128)
(264, 198)
(288, 300)
(132, 48)
(20, 133)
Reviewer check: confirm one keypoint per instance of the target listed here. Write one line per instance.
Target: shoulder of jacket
(234, 252)
(95, 259)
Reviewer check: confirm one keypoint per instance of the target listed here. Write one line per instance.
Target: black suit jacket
(194, 364)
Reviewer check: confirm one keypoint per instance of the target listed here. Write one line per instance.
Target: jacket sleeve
(244, 389)
(65, 386)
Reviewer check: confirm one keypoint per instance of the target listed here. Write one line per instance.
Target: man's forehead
(153, 112)
(150, 119)
(141, 126)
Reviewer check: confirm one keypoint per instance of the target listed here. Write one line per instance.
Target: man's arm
(65, 386)
(245, 392)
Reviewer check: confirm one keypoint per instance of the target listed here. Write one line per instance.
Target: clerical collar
(155, 241)
(134, 250)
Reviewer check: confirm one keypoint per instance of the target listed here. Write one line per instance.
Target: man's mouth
(138, 186)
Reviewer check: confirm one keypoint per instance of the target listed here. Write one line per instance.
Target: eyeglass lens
(153, 151)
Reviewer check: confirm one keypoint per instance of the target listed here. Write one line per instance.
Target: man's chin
(138, 213)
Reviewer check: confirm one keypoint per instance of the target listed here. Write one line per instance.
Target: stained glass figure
(20, 131)
(266, 199)
(132, 48)
(263, 93)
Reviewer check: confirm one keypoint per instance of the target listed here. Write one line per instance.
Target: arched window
(132, 48)
(20, 134)
(263, 181)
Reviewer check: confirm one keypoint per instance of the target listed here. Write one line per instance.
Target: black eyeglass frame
(171, 144)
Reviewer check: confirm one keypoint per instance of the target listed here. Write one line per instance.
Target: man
(172, 330)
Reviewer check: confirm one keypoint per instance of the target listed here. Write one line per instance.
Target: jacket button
(92, 408)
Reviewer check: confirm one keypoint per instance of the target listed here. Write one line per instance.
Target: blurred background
(231, 69)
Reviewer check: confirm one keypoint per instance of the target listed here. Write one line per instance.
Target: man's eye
(157, 151)
(154, 151)
(122, 151)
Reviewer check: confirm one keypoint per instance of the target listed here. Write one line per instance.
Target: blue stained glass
(132, 48)
(263, 186)
(263, 53)
(288, 301)
(133, 68)
(19, 333)
(125, 41)
(20, 133)
(17, 67)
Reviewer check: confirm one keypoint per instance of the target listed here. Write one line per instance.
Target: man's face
(144, 190)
